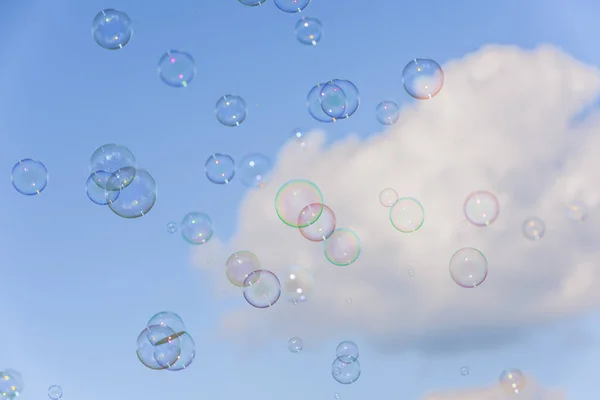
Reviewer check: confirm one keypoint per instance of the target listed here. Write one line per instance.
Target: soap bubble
(481, 208)
(196, 228)
(407, 215)
(137, 199)
(252, 3)
(186, 350)
(254, 170)
(168, 319)
(94, 191)
(345, 372)
(320, 229)
(177, 68)
(111, 158)
(55, 392)
(387, 112)
(293, 197)
(291, 6)
(297, 283)
(343, 247)
(29, 177)
(231, 110)
(262, 289)
(512, 381)
(172, 227)
(388, 197)
(11, 384)
(464, 371)
(112, 29)
(219, 168)
(347, 351)
(309, 31)
(295, 345)
(298, 136)
(333, 100)
(422, 78)
(239, 265)
(577, 211)
(468, 267)
(533, 228)
(146, 351)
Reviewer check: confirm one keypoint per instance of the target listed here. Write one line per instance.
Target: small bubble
(336, 396)
(349, 300)
(464, 371)
(410, 272)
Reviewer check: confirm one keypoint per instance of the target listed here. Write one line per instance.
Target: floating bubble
(252, 3)
(309, 31)
(196, 228)
(29, 177)
(295, 195)
(533, 228)
(347, 351)
(231, 110)
(333, 100)
(94, 188)
(468, 267)
(137, 199)
(11, 384)
(168, 319)
(172, 227)
(119, 179)
(166, 354)
(298, 136)
(297, 283)
(410, 272)
(464, 371)
(422, 78)
(291, 6)
(345, 373)
(239, 265)
(343, 247)
(349, 300)
(254, 170)
(186, 353)
(112, 29)
(577, 211)
(262, 289)
(387, 112)
(336, 396)
(159, 334)
(146, 351)
(219, 168)
(320, 229)
(295, 345)
(55, 392)
(110, 158)
(407, 215)
(481, 208)
(388, 197)
(313, 103)
(352, 96)
(512, 381)
(176, 68)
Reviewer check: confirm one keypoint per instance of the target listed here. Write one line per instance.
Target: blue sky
(80, 282)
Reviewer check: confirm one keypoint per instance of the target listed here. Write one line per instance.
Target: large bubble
(423, 78)
(176, 68)
(138, 198)
(293, 197)
(407, 215)
(196, 228)
(481, 208)
(345, 372)
(110, 158)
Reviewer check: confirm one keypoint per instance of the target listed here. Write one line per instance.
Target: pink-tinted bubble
(317, 222)
(481, 208)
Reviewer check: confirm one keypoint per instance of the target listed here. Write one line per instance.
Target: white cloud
(501, 123)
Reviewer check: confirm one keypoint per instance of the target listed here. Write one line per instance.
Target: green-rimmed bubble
(293, 197)
(407, 215)
(342, 248)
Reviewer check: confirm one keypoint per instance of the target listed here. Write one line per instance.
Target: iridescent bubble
(252, 3)
(112, 29)
(231, 110)
(423, 78)
(319, 227)
(137, 199)
(291, 6)
(295, 345)
(407, 215)
(512, 381)
(577, 211)
(343, 247)
(254, 170)
(186, 353)
(172, 227)
(55, 392)
(110, 158)
(298, 136)
(347, 351)
(297, 283)
(29, 177)
(333, 100)
(309, 31)
(481, 208)
(262, 289)
(11, 384)
(168, 319)
(292, 197)
(196, 228)
(219, 168)
(468, 267)
(345, 372)
(534, 228)
(146, 351)
(464, 371)
(387, 112)
(177, 68)
(388, 197)
(239, 265)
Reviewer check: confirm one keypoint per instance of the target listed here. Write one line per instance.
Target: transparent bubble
(252, 3)
(309, 31)
(388, 197)
(464, 371)
(196, 228)
(110, 158)
(291, 6)
(231, 110)
(349, 300)
(468, 267)
(176, 68)
(11, 384)
(292, 197)
(410, 272)
(186, 353)
(172, 227)
(347, 351)
(254, 170)
(336, 396)
(119, 179)
(241, 264)
(533, 228)
(219, 168)
(407, 215)
(512, 381)
(313, 103)
(29, 177)
(577, 211)
(422, 78)
(481, 208)
(262, 288)
(94, 190)
(297, 283)
(55, 392)
(387, 112)
(146, 351)
(298, 136)
(333, 100)
(295, 345)
(320, 229)
(168, 319)
(343, 247)
(352, 96)
(138, 198)
(345, 373)
(159, 334)
(166, 354)
(112, 29)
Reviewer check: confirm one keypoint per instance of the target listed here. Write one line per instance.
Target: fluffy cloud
(503, 122)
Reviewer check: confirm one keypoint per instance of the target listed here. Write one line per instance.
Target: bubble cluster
(345, 369)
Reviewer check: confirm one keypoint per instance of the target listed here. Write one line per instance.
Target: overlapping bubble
(346, 369)
(347, 96)
(262, 288)
(293, 197)
(316, 222)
